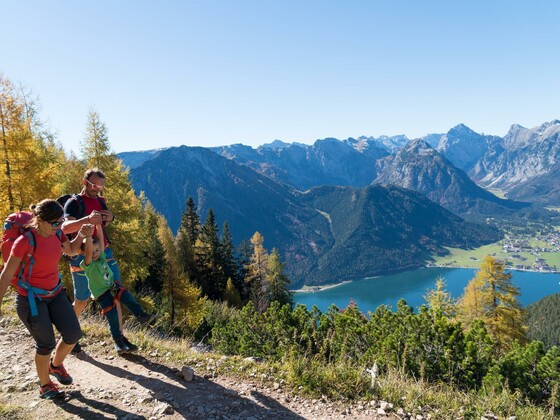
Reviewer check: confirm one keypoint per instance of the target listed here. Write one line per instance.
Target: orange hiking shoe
(59, 372)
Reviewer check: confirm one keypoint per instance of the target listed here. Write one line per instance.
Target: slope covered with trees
(543, 321)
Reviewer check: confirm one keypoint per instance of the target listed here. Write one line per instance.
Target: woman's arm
(10, 269)
(73, 247)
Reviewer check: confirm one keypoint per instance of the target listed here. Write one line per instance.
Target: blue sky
(208, 73)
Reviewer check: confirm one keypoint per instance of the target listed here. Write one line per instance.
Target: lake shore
(507, 268)
(314, 289)
(320, 288)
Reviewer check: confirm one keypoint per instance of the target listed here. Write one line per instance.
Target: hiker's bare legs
(42, 365)
(79, 306)
(60, 353)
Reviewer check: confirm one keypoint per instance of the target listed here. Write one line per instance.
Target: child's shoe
(59, 372)
(50, 391)
(76, 349)
(131, 347)
(120, 346)
(146, 319)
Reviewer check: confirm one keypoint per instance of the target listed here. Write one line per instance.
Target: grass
(9, 412)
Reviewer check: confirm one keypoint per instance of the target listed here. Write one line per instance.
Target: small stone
(187, 373)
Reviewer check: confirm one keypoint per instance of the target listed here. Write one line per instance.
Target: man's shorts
(81, 290)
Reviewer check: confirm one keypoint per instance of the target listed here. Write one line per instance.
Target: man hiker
(87, 207)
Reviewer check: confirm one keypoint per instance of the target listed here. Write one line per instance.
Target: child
(108, 293)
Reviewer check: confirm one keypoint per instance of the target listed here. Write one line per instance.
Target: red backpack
(14, 227)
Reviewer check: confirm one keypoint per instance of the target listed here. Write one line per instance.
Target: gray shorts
(57, 311)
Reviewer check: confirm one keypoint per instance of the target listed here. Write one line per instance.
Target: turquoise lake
(412, 286)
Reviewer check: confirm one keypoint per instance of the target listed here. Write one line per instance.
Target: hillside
(383, 229)
(543, 320)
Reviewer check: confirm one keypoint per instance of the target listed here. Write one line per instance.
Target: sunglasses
(96, 186)
(56, 224)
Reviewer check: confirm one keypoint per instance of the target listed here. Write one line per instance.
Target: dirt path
(134, 387)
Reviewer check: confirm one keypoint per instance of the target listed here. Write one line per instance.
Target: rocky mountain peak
(275, 145)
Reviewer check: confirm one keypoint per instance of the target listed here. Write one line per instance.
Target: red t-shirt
(91, 204)
(47, 253)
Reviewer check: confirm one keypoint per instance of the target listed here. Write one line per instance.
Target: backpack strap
(34, 292)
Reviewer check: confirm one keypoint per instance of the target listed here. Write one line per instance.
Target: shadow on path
(198, 398)
(86, 411)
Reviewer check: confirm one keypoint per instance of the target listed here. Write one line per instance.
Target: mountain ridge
(299, 223)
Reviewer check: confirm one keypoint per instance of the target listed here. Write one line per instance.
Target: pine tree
(210, 274)
(228, 260)
(244, 252)
(491, 297)
(154, 254)
(186, 240)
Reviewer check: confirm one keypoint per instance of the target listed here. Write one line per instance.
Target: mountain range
(325, 234)
(344, 209)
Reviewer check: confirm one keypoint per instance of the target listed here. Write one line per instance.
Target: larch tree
(439, 300)
(31, 161)
(492, 297)
(95, 147)
(257, 272)
(181, 299)
(277, 281)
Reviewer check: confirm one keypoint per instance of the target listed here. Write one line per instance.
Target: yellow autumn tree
(31, 161)
(439, 300)
(257, 272)
(182, 300)
(492, 297)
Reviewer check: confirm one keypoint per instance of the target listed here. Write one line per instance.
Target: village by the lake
(540, 253)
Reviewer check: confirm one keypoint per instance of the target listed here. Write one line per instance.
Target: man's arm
(72, 225)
